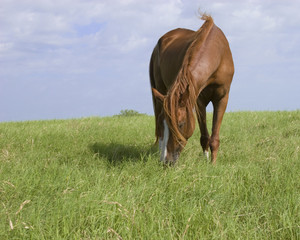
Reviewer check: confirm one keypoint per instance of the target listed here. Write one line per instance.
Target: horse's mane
(184, 82)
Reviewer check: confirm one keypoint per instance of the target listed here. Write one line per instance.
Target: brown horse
(189, 69)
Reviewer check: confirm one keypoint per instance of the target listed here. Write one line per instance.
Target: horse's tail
(204, 16)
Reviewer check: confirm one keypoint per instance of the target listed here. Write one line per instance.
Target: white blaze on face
(163, 142)
(160, 141)
(206, 154)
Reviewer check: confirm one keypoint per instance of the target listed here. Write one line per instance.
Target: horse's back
(210, 56)
(176, 39)
(170, 50)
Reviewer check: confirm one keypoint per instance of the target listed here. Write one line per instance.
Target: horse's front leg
(204, 139)
(219, 110)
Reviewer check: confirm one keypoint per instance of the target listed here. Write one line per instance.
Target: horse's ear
(158, 95)
(184, 97)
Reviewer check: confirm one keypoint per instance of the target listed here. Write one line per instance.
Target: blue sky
(80, 58)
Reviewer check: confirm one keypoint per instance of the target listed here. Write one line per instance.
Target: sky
(64, 59)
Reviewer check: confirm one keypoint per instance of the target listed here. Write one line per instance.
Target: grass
(100, 178)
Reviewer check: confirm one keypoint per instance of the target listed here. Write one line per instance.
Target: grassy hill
(100, 178)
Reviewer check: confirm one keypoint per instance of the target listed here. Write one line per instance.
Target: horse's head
(177, 124)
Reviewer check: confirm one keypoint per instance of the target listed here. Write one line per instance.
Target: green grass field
(100, 178)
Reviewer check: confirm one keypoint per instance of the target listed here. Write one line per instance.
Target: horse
(188, 69)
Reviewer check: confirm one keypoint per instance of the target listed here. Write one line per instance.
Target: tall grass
(100, 178)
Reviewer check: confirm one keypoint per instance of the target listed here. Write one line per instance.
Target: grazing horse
(189, 69)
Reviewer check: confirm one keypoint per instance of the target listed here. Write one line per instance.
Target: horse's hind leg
(219, 109)
(204, 139)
